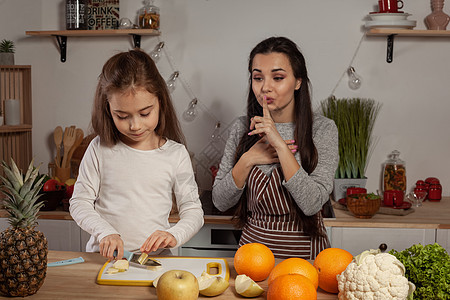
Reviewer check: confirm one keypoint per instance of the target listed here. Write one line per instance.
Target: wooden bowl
(363, 206)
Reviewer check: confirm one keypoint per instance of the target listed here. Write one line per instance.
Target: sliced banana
(245, 286)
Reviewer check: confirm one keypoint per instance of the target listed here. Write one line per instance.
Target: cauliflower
(373, 275)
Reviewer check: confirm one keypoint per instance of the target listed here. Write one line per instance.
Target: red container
(393, 198)
(435, 192)
(356, 190)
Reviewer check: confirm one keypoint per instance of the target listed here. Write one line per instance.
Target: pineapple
(23, 250)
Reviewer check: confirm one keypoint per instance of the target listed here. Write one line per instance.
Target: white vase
(12, 112)
(341, 185)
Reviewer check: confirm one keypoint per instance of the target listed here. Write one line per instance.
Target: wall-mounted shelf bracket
(390, 48)
(136, 40)
(62, 42)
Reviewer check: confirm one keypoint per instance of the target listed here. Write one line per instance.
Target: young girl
(279, 161)
(123, 193)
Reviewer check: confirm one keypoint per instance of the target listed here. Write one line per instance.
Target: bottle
(149, 16)
(76, 14)
(394, 173)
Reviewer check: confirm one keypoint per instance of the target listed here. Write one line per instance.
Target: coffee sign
(103, 14)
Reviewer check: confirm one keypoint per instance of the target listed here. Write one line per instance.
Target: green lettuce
(428, 267)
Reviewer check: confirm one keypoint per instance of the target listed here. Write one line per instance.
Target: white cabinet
(443, 238)
(63, 235)
(356, 240)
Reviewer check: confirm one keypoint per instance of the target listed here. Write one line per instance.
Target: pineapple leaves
(11, 178)
(21, 194)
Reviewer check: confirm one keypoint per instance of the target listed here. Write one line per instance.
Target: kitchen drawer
(356, 240)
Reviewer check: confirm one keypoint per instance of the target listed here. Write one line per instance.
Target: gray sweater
(310, 192)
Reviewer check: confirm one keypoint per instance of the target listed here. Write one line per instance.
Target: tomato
(53, 185)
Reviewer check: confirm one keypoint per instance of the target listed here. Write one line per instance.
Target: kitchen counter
(432, 215)
(78, 282)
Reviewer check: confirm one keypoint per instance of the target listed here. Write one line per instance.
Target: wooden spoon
(58, 137)
(79, 139)
(68, 140)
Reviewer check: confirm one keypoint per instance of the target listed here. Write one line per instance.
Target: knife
(133, 258)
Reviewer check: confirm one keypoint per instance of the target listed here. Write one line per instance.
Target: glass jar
(394, 173)
(435, 191)
(149, 16)
(76, 14)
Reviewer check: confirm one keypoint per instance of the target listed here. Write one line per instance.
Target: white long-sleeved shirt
(122, 190)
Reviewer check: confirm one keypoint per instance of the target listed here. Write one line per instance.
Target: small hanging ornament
(191, 112)
(156, 53)
(171, 83)
(215, 136)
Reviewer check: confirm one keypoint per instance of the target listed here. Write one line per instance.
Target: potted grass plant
(7, 49)
(355, 119)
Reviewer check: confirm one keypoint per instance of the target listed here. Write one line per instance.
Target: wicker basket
(363, 206)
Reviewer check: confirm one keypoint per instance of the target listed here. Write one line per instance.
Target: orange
(254, 260)
(295, 265)
(292, 287)
(329, 263)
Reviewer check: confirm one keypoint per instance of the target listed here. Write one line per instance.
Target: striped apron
(270, 220)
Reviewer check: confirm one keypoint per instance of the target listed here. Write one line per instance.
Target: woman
(279, 161)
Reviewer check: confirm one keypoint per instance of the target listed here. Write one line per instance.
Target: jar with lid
(77, 14)
(149, 16)
(435, 191)
(394, 173)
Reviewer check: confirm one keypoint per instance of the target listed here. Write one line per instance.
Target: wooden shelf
(106, 32)
(15, 128)
(408, 32)
(61, 36)
(390, 33)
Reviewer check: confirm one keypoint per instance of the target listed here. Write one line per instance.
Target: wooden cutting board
(142, 277)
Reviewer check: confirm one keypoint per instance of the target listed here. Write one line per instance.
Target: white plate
(388, 16)
(391, 24)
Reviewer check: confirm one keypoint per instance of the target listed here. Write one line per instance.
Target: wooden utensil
(68, 140)
(79, 134)
(58, 137)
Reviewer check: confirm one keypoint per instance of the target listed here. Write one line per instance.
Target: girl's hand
(158, 239)
(110, 243)
(265, 127)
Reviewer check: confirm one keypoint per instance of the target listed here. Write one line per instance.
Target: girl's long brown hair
(303, 119)
(128, 71)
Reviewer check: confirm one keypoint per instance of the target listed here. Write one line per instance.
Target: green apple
(177, 285)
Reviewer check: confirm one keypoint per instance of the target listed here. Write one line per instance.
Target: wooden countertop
(432, 215)
(78, 281)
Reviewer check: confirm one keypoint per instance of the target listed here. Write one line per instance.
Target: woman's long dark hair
(303, 119)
